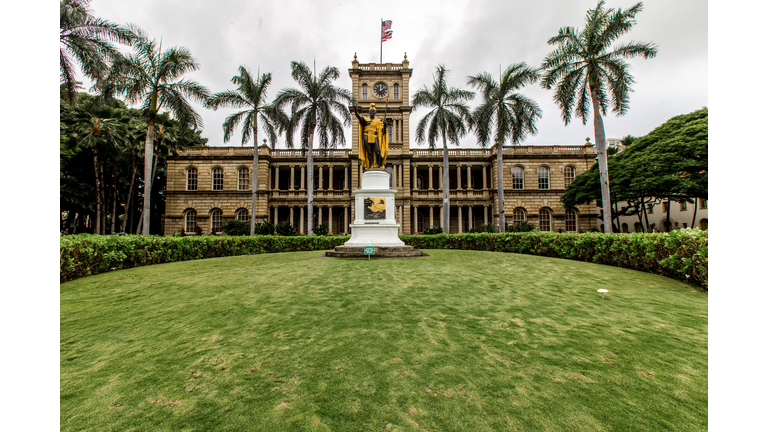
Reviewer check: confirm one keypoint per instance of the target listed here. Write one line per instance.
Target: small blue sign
(369, 250)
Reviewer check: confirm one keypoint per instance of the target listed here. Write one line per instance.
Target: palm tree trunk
(647, 223)
(98, 191)
(148, 156)
(500, 185)
(446, 190)
(255, 180)
(114, 197)
(669, 210)
(147, 191)
(602, 161)
(310, 183)
(130, 194)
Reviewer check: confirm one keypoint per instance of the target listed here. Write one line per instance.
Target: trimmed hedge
(88, 254)
(681, 254)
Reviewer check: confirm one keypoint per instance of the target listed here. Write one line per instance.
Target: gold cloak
(374, 129)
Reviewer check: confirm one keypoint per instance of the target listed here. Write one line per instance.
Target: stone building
(209, 185)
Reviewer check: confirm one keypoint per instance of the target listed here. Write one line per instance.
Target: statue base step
(380, 252)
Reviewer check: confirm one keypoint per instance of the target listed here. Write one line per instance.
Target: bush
(523, 226)
(264, 228)
(286, 229)
(432, 231)
(236, 228)
(321, 230)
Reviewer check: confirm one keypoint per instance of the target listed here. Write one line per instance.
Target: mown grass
(457, 341)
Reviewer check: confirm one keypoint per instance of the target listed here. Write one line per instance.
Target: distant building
(209, 185)
(681, 215)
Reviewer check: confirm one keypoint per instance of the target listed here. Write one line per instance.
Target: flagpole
(381, 40)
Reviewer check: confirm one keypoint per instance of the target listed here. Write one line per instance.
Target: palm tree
(85, 40)
(313, 106)
(252, 96)
(448, 120)
(155, 79)
(513, 115)
(585, 66)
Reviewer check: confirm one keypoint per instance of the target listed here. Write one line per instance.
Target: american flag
(385, 35)
(386, 25)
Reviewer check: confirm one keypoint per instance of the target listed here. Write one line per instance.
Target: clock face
(380, 90)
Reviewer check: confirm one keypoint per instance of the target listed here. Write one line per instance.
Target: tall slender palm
(586, 66)
(155, 79)
(251, 95)
(505, 114)
(85, 40)
(314, 106)
(449, 120)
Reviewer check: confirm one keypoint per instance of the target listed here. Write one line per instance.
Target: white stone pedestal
(374, 230)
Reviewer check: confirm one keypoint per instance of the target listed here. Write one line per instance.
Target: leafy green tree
(586, 66)
(155, 79)
(85, 41)
(449, 120)
(671, 162)
(505, 115)
(314, 106)
(251, 95)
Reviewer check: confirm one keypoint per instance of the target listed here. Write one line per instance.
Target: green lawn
(457, 341)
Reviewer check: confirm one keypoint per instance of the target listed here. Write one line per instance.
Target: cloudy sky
(467, 36)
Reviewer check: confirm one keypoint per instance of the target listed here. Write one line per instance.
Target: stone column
(330, 177)
(330, 219)
(485, 181)
(471, 219)
(458, 178)
(292, 187)
(485, 212)
(440, 218)
(290, 214)
(301, 219)
(303, 184)
(346, 178)
(415, 219)
(401, 176)
(400, 220)
(430, 211)
(346, 219)
(440, 174)
(319, 215)
(469, 177)
(414, 179)
(461, 224)
(277, 177)
(430, 180)
(320, 179)
(275, 220)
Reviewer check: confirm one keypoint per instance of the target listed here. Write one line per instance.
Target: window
(543, 177)
(518, 215)
(419, 182)
(365, 92)
(192, 179)
(683, 206)
(389, 171)
(419, 222)
(704, 224)
(702, 204)
(638, 227)
(570, 220)
(545, 220)
(216, 221)
(517, 177)
(218, 179)
(649, 208)
(190, 221)
(396, 90)
(243, 178)
(624, 228)
(570, 174)
(242, 215)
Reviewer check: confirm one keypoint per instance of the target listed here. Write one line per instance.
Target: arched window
(190, 221)
(545, 220)
(517, 177)
(704, 224)
(192, 179)
(543, 178)
(570, 174)
(242, 215)
(570, 221)
(364, 94)
(216, 221)
(518, 215)
(638, 227)
(624, 228)
(218, 179)
(396, 91)
(243, 178)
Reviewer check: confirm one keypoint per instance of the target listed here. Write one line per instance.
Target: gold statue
(373, 143)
